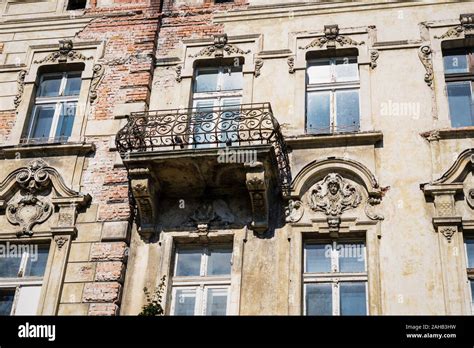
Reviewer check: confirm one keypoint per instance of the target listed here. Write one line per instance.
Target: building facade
(245, 157)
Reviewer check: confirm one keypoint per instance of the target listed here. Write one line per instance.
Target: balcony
(206, 152)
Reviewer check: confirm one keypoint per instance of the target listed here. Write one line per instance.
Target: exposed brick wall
(7, 120)
(130, 36)
(130, 43)
(105, 292)
(185, 22)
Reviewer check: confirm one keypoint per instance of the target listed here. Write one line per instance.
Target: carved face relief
(333, 195)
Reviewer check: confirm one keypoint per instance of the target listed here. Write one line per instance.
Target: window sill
(305, 141)
(46, 150)
(449, 133)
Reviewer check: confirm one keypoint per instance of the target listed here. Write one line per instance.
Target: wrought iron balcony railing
(242, 125)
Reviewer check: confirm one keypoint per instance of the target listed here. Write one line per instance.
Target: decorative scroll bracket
(424, 53)
(97, 77)
(466, 27)
(257, 185)
(20, 87)
(145, 195)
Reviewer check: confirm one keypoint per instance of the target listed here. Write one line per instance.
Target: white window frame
(200, 284)
(15, 283)
(332, 87)
(334, 277)
(56, 101)
(218, 97)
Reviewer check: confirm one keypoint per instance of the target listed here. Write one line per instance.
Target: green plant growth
(153, 306)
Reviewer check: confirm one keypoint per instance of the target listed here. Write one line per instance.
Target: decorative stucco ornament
(31, 208)
(333, 195)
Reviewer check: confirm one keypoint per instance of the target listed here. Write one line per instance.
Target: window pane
(352, 298)
(49, 86)
(216, 302)
(455, 63)
(189, 262)
(218, 262)
(229, 125)
(206, 80)
(185, 302)
(470, 252)
(37, 260)
(73, 84)
(318, 113)
(42, 121)
(472, 294)
(319, 72)
(318, 258)
(6, 301)
(66, 121)
(460, 104)
(203, 122)
(347, 110)
(347, 69)
(10, 261)
(232, 78)
(28, 300)
(351, 257)
(318, 299)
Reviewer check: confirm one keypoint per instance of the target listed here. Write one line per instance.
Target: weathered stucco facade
(143, 171)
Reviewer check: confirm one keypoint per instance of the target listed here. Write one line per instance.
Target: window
(332, 95)
(459, 75)
(76, 4)
(469, 244)
(217, 89)
(335, 279)
(201, 281)
(55, 106)
(21, 276)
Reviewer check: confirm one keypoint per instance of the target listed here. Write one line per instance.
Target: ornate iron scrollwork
(247, 124)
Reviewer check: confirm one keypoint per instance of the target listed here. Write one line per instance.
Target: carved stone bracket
(446, 220)
(291, 65)
(446, 190)
(258, 66)
(178, 70)
(333, 195)
(97, 76)
(40, 188)
(470, 198)
(257, 186)
(424, 53)
(466, 27)
(374, 56)
(219, 47)
(144, 193)
(294, 211)
(331, 38)
(370, 210)
(61, 240)
(20, 87)
(64, 54)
